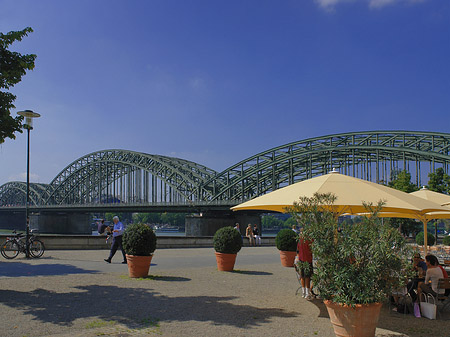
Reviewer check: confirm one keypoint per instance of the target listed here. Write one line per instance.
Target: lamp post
(29, 115)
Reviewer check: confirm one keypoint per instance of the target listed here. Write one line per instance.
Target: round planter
(138, 266)
(225, 262)
(360, 321)
(287, 258)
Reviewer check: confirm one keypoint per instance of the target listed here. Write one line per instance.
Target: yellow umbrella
(438, 198)
(350, 194)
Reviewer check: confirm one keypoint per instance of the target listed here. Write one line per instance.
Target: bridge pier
(61, 222)
(13, 220)
(207, 224)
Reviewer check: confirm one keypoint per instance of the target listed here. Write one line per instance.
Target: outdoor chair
(443, 300)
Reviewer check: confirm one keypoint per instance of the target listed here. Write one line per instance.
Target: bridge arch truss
(371, 156)
(120, 176)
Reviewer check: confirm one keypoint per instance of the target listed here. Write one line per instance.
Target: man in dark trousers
(117, 240)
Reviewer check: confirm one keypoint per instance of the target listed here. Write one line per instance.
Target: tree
(13, 66)
(439, 181)
(269, 221)
(401, 180)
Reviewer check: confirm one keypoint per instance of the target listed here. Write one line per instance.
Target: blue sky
(216, 82)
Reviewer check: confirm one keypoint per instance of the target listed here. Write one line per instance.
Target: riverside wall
(68, 242)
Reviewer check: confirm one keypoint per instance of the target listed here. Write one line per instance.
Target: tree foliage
(401, 180)
(439, 181)
(174, 219)
(13, 66)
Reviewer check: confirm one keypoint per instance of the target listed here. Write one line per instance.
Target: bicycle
(16, 244)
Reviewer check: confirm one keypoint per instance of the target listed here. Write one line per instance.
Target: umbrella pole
(425, 237)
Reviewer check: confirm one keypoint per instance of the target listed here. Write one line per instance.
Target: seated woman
(420, 268)
(434, 273)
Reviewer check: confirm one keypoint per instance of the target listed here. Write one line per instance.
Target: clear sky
(216, 82)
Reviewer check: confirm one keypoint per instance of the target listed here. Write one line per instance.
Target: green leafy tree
(439, 181)
(269, 221)
(125, 218)
(290, 222)
(401, 180)
(13, 66)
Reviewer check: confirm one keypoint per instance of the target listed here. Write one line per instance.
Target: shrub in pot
(227, 243)
(286, 242)
(357, 265)
(446, 240)
(139, 243)
(420, 239)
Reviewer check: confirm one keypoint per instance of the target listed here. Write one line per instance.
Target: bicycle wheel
(10, 249)
(36, 248)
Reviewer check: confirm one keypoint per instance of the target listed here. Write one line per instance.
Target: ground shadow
(130, 306)
(323, 312)
(16, 269)
(158, 278)
(409, 325)
(251, 272)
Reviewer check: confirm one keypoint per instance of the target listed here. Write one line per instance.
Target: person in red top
(305, 255)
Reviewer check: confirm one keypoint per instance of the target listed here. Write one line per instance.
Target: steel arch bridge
(120, 176)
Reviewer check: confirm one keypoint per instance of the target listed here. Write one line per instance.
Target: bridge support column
(61, 223)
(207, 224)
(13, 220)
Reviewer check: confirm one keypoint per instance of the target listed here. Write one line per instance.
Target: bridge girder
(128, 176)
(284, 165)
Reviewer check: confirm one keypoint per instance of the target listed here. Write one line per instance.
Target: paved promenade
(76, 293)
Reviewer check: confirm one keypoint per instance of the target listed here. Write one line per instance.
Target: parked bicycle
(17, 244)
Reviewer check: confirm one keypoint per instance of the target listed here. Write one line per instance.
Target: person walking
(117, 240)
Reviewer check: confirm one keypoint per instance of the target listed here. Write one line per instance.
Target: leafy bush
(446, 240)
(227, 240)
(139, 240)
(360, 263)
(420, 239)
(286, 240)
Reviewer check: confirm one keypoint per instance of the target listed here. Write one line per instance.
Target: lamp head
(29, 115)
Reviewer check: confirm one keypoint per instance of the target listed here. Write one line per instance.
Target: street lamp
(29, 115)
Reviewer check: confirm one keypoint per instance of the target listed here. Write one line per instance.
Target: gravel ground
(75, 293)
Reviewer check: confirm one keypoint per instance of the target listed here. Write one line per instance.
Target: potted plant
(420, 239)
(227, 243)
(139, 243)
(286, 242)
(446, 242)
(357, 265)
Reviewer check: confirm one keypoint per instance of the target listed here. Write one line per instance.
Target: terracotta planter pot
(360, 321)
(225, 262)
(138, 266)
(287, 258)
